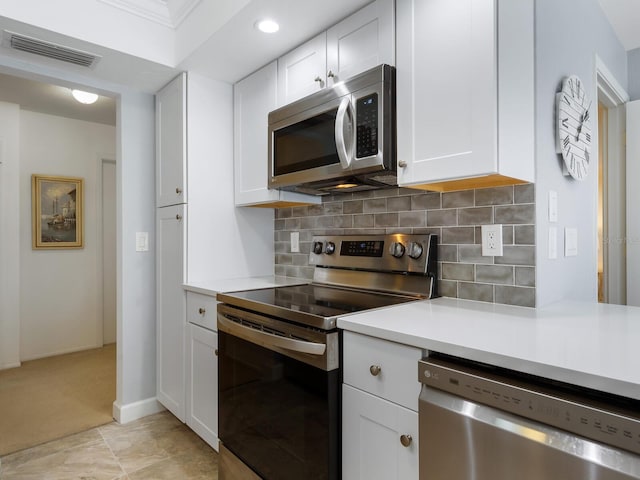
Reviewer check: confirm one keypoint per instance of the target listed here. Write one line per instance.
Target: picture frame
(57, 217)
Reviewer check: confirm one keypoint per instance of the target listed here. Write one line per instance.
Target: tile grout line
(104, 439)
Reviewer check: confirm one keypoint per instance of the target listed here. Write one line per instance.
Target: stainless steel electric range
(279, 353)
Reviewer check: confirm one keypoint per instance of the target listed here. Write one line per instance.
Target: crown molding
(169, 13)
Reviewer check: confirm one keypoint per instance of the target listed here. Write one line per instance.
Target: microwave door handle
(345, 113)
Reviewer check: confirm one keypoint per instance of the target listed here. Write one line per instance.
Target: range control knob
(329, 248)
(397, 249)
(415, 250)
(317, 248)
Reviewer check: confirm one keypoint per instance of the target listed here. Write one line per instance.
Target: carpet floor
(54, 397)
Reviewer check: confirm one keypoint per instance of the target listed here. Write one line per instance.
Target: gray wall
(633, 59)
(455, 217)
(563, 48)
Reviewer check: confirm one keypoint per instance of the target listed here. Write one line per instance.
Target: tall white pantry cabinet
(198, 231)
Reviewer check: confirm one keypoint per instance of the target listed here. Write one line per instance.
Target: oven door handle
(269, 340)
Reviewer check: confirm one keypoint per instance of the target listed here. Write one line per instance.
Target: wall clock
(573, 127)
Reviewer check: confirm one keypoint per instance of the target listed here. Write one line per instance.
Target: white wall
(223, 241)
(568, 36)
(9, 241)
(94, 21)
(59, 290)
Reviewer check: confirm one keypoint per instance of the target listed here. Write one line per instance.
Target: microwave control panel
(367, 126)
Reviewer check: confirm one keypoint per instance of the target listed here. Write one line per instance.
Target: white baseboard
(134, 411)
(64, 351)
(5, 366)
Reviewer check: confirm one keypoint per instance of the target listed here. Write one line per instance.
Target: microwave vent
(43, 48)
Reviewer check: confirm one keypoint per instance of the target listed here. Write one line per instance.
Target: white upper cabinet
(465, 93)
(254, 97)
(302, 71)
(359, 42)
(171, 153)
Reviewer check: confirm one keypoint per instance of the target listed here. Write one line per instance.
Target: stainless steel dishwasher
(478, 422)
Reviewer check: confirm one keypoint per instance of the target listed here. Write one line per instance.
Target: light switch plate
(142, 241)
(295, 242)
(553, 206)
(570, 242)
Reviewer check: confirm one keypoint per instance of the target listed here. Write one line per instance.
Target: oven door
(279, 403)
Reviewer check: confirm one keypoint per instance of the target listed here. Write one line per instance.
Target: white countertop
(589, 344)
(213, 287)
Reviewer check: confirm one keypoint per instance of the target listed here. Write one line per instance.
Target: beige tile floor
(156, 447)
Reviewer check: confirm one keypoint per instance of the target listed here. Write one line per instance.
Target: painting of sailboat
(57, 212)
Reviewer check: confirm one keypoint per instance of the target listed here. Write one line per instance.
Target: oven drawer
(201, 310)
(382, 368)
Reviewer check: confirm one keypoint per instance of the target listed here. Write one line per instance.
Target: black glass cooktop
(317, 303)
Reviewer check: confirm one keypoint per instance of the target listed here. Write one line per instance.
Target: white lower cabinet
(373, 432)
(202, 367)
(379, 409)
(170, 272)
(202, 383)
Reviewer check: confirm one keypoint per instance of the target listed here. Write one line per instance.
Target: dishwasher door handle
(269, 340)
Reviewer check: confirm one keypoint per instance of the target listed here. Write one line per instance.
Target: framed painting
(57, 212)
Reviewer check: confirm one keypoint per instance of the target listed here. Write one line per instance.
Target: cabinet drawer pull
(330, 74)
(201, 311)
(178, 190)
(178, 217)
(406, 440)
(375, 370)
(317, 79)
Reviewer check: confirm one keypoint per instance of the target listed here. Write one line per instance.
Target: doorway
(66, 382)
(612, 191)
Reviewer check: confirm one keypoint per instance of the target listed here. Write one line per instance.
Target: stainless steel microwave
(337, 140)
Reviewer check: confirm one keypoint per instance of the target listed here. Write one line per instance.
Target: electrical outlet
(295, 242)
(491, 240)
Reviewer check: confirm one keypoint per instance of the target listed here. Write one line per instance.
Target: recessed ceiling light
(267, 26)
(84, 97)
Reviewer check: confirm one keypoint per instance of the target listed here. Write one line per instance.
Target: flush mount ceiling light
(267, 25)
(84, 97)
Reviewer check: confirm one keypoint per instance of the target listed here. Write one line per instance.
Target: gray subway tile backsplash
(455, 217)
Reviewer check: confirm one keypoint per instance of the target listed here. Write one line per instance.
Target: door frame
(614, 97)
(101, 160)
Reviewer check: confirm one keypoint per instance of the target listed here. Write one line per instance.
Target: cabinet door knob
(317, 79)
(330, 74)
(178, 190)
(375, 370)
(178, 217)
(215, 352)
(402, 164)
(201, 311)
(406, 440)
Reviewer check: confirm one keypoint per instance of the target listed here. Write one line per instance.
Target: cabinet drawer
(397, 378)
(201, 310)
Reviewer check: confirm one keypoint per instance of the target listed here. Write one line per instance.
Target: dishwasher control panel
(540, 403)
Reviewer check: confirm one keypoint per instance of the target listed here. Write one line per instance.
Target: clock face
(573, 139)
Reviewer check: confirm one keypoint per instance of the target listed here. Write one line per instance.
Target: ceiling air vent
(48, 49)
